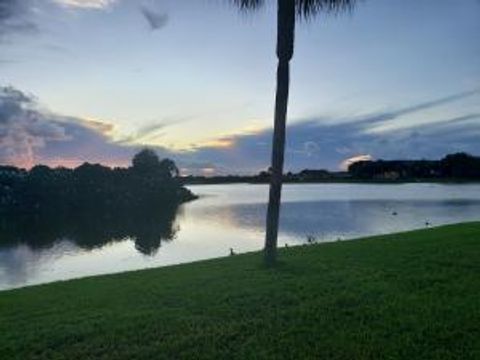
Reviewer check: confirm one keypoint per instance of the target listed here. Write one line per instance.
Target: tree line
(149, 183)
(459, 166)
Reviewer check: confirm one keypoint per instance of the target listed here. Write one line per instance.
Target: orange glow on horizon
(71, 163)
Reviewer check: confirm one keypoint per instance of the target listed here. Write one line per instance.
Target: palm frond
(305, 8)
(248, 4)
(309, 8)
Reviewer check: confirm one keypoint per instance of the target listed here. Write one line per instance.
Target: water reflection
(341, 219)
(55, 247)
(147, 228)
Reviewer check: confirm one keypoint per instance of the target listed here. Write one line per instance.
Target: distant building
(457, 166)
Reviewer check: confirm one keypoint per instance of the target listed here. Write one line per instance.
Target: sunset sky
(95, 80)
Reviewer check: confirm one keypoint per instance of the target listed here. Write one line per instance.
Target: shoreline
(248, 253)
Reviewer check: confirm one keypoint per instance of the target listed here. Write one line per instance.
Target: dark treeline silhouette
(148, 183)
(92, 205)
(453, 167)
(305, 176)
(460, 166)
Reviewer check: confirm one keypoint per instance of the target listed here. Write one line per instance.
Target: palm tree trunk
(285, 43)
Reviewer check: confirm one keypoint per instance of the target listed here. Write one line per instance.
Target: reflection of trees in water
(148, 227)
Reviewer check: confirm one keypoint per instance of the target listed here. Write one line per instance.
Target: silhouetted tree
(168, 168)
(149, 183)
(461, 166)
(92, 204)
(146, 162)
(287, 11)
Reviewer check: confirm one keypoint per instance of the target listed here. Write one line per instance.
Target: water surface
(226, 216)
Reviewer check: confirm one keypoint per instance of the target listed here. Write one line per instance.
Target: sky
(96, 80)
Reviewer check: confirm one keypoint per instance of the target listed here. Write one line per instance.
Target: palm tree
(288, 11)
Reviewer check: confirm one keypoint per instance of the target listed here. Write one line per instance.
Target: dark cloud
(313, 144)
(15, 17)
(86, 144)
(327, 143)
(30, 135)
(156, 20)
(23, 129)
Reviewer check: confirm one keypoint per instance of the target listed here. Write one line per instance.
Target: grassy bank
(408, 296)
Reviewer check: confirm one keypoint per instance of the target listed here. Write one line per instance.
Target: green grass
(414, 295)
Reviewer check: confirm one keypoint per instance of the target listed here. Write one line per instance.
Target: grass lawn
(413, 295)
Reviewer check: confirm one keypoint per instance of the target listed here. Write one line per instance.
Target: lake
(226, 216)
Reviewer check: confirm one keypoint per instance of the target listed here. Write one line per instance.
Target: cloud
(431, 104)
(15, 17)
(352, 160)
(155, 20)
(31, 135)
(23, 129)
(150, 132)
(388, 120)
(86, 4)
(331, 142)
(87, 142)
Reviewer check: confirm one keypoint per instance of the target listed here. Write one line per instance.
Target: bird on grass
(311, 239)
